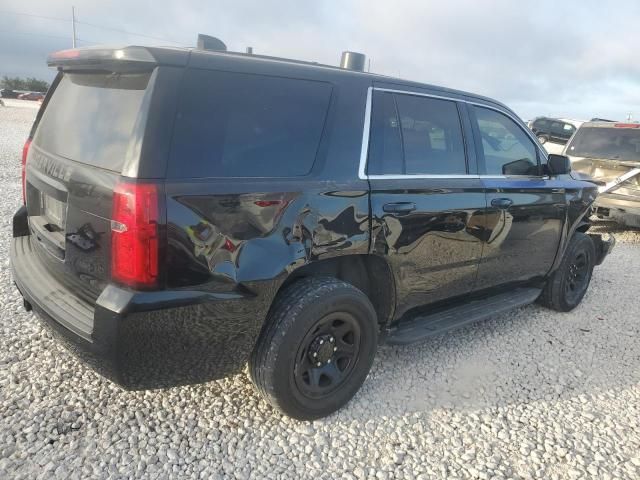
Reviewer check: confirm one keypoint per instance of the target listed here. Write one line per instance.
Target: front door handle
(501, 203)
(400, 208)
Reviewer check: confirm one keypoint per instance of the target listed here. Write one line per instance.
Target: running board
(425, 326)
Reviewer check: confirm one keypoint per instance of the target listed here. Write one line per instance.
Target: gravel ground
(530, 394)
(15, 103)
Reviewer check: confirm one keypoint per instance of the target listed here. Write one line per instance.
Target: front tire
(543, 139)
(316, 349)
(568, 284)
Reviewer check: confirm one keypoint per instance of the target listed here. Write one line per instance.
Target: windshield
(607, 143)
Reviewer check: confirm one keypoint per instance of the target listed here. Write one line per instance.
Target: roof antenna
(352, 61)
(207, 42)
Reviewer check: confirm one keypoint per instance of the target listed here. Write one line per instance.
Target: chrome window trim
(417, 94)
(400, 176)
(364, 150)
(394, 176)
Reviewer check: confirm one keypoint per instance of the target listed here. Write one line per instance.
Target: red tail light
(25, 152)
(267, 203)
(134, 235)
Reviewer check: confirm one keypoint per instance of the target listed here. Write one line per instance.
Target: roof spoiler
(115, 59)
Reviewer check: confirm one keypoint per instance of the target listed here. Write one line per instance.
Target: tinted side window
(239, 125)
(507, 149)
(432, 136)
(385, 147)
(415, 135)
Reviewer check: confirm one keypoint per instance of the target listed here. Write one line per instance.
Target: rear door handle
(400, 208)
(501, 203)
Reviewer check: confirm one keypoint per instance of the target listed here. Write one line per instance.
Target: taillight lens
(626, 125)
(134, 235)
(25, 152)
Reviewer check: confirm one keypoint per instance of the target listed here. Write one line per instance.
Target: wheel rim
(542, 139)
(577, 276)
(327, 355)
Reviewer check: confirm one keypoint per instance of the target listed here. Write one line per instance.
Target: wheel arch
(369, 273)
(577, 220)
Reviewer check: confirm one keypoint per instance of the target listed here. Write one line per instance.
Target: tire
(543, 139)
(322, 316)
(568, 284)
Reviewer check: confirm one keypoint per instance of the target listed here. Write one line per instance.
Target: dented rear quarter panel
(225, 235)
(250, 233)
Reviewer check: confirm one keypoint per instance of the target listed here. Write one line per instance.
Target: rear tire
(568, 284)
(316, 349)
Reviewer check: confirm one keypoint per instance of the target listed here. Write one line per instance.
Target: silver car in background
(610, 153)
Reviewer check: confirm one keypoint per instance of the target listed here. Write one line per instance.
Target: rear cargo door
(89, 132)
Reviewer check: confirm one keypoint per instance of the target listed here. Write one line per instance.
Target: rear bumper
(602, 245)
(143, 340)
(621, 208)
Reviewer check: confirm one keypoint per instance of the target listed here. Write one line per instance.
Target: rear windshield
(606, 143)
(91, 117)
(240, 125)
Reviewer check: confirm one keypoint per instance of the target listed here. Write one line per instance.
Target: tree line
(29, 84)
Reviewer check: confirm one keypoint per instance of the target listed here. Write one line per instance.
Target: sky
(570, 59)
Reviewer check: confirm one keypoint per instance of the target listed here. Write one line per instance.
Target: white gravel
(530, 394)
(15, 103)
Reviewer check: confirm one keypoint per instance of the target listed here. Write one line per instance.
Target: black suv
(8, 93)
(189, 212)
(552, 130)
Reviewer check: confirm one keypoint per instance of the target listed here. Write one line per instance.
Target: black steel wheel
(578, 277)
(569, 283)
(316, 348)
(327, 355)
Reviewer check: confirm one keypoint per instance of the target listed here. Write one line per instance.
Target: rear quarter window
(241, 125)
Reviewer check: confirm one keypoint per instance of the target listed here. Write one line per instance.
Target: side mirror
(558, 164)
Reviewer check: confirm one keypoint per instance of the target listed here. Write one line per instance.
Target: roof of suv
(88, 57)
(601, 124)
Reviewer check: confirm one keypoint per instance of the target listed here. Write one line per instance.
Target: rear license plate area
(55, 212)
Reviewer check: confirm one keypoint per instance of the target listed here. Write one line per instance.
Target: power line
(42, 35)
(95, 25)
(128, 33)
(34, 16)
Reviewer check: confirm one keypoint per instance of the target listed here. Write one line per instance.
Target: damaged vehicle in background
(610, 153)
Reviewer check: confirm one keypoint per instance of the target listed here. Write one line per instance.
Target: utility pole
(73, 26)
